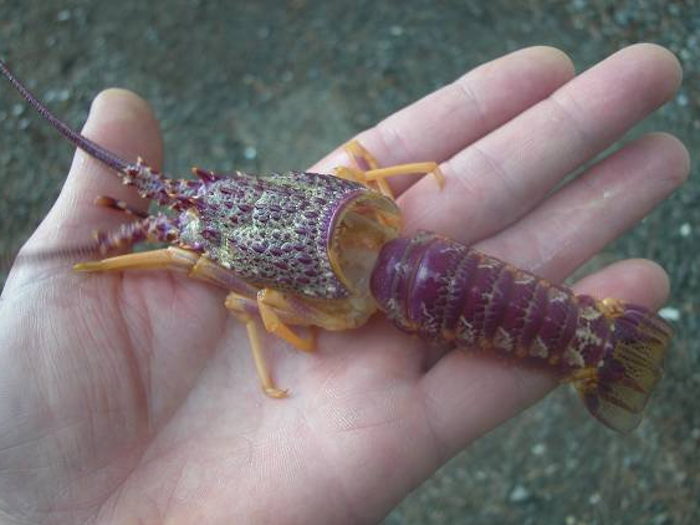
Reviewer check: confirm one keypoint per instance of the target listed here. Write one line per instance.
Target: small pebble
(396, 30)
(594, 499)
(685, 229)
(250, 153)
(551, 469)
(57, 95)
(518, 494)
(660, 519)
(670, 313)
(539, 449)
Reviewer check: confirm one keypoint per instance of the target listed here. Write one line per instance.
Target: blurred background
(271, 85)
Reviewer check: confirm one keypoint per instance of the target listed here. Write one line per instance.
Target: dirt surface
(270, 85)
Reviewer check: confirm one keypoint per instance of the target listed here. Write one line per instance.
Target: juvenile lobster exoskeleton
(317, 250)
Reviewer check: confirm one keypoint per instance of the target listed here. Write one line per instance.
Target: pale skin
(132, 398)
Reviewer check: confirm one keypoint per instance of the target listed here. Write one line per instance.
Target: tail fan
(630, 372)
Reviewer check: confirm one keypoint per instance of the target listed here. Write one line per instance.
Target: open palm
(133, 398)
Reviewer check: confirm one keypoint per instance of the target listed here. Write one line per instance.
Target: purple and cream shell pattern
(446, 292)
(457, 297)
(275, 231)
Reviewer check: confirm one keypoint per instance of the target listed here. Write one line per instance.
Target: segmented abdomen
(448, 293)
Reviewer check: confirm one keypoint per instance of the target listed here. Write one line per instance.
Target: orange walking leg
(369, 170)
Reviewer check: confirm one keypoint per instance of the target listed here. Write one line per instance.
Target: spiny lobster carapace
(319, 250)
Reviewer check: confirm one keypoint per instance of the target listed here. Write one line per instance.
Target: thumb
(121, 122)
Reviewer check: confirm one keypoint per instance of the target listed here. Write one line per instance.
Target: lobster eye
(363, 226)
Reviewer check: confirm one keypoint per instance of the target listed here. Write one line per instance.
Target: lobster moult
(318, 250)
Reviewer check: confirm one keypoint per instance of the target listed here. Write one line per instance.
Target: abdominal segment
(455, 296)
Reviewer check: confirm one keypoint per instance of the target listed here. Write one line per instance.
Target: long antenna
(85, 144)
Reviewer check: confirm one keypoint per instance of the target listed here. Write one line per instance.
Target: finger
(593, 210)
(123, 123)
(441, 124)
(467, 395)
(637, 281)
(499, 178)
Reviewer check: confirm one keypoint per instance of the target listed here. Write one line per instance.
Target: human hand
(133, 396)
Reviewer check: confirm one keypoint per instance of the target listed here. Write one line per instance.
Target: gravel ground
(273, 85)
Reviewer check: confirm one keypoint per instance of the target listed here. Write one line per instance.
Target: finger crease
(586, 137)
(441, 449)
(465, 88)
(391, 140)
(499, 170)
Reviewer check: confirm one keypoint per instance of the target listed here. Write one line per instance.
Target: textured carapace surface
(274, 231)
